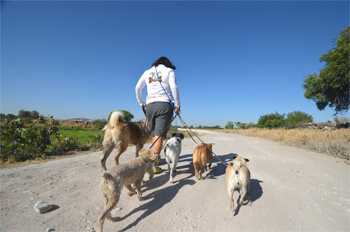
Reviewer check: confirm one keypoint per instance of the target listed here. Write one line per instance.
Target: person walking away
(162, 99)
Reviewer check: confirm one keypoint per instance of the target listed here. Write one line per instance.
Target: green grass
(83, 135)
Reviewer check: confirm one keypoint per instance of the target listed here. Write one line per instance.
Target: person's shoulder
(167, 69)
(146, 72)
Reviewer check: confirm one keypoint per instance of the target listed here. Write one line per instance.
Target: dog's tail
(115, 118)
(107, 176)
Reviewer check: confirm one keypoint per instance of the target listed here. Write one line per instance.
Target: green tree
(127, 115)
(296, 118)
(241, 125)
(11, 117)
(24, 114)
(331, 86)
(229, 125)
(34, 114)
(270, 121)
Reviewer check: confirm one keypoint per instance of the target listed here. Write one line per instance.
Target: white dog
(238, 178)
(172, 150)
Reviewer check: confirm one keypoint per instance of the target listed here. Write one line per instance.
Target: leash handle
(144, 110)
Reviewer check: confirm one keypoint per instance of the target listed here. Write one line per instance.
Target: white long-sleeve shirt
(154, 89)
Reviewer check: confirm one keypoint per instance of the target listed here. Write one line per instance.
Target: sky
(235, 60)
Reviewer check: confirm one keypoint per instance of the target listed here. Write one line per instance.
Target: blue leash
(172, 105)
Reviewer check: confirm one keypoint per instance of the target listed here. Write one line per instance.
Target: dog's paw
(130, 194)
(113, 219)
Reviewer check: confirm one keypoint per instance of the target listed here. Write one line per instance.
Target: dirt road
(291, 189)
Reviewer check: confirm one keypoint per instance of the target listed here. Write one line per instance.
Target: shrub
(20, 142)
(99, 123)
(229, 125)
(270, 121)
(297, 118)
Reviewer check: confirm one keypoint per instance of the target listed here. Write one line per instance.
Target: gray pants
(159, 115)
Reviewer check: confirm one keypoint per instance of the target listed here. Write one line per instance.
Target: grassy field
(83, 135)
(333, 142)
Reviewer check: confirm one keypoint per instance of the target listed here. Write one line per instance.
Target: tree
(229, 125)
(241, 125)
(127, 115)
(24, 114)
(34, 114)
(11, 117)
(296, 118)
(331, 86)
(270, 121)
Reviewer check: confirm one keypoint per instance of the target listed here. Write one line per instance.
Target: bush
(229, 125)
(100, 123)
(270, 121)
(20, 142)
(296, 119)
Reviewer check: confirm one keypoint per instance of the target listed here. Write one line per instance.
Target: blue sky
(236, 61)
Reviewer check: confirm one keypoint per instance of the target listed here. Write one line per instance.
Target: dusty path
(292, 189)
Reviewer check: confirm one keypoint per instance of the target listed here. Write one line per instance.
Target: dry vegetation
(333, 142)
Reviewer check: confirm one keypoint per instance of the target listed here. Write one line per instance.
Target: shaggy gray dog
(121, 175)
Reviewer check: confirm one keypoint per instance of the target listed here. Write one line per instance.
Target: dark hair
(165, 61)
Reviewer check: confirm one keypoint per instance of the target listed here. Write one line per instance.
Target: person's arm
(174, 90)
(138, 89)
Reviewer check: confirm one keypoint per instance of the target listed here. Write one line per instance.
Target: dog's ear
(173, 135)
(152, 155)
(182, 136)
(142, 151)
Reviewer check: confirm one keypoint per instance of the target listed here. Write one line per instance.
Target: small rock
(295, 170)
(84, 212)
(49, 230)
(42, 207)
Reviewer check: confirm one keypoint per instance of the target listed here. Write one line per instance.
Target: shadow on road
(159, 198)
(256, 192)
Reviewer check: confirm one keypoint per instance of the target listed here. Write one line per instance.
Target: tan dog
(201, 155)
(121, 134)
(114, 179)
(238, 178)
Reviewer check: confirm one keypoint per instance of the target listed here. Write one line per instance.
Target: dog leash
(172, 105)
(189, 130)
(163, 132)
(144, 111)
